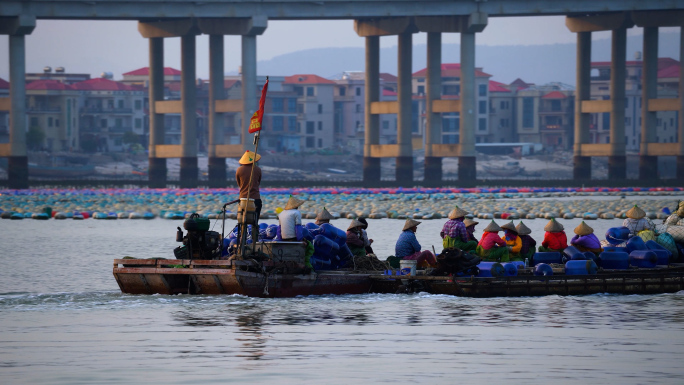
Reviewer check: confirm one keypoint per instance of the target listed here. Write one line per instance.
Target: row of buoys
(76, 215)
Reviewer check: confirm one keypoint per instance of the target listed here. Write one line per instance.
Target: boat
(172, 276)
(279, 269)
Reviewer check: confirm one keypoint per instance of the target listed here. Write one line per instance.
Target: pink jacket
(489, 240)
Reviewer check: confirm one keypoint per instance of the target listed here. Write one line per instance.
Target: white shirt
(288, 220)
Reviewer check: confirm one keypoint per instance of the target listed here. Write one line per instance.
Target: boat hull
(223, 277)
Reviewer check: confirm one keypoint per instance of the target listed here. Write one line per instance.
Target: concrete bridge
(159, 19)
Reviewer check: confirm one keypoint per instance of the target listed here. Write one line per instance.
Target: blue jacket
(407, 244)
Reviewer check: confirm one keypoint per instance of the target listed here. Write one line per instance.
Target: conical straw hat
(522, 229)
(583, 229)
(469, 222)
(493, 228)
(324, 215)
(553, 226)
(635, 213)
(509, 226)
(410, 223)
(354, 223)
(457, 213)
(293, 203)
(248, 158)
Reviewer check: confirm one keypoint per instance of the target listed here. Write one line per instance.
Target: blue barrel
(518, 264)
(510, 269)
(615, 249)
(617, 235)
(643, 258)
(579, 267)
(325, 247)
(271, 231)
(311, 226)
(307, 235)
(546, 257)
(321, 263)
(571, 253)
(653, 245)
(491, 269)
(345, 255)
(663, 257)
(333, 233)
(615, 260)
(636, 243)
(543, 269)
(593, 257)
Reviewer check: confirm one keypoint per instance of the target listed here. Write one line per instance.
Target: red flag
(258, 117)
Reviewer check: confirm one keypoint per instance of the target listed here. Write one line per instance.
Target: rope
(369, 263)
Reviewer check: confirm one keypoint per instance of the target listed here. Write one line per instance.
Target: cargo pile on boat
(417, 203)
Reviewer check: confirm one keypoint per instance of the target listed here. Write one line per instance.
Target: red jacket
(555, 241)
(489, 240)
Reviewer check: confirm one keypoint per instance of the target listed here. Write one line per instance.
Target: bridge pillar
(249, 85)
(617, 164)
(618, 23)
(188, 161)
(217, 164)
(371, 165)
(15, 151)
(433, 126)
(404, 160)
(648, 163)
(467, 162)
(157, 166)
(680, 129)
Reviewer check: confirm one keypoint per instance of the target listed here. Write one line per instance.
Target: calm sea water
(63, 320)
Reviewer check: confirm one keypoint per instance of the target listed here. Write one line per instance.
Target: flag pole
(257, 135)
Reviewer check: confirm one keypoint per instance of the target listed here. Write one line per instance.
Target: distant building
(315, 103)
(451, 89)
(545, 114)
(110, 109)
(4, 115)
(52, 107)
(667, 121)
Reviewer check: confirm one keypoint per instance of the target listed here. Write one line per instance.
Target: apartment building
(52, 108)
(545, 114)
(315, 115)
(667, 121)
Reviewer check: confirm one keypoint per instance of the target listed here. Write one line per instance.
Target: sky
(116, 46)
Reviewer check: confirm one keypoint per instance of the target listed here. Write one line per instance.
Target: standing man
(242, 176)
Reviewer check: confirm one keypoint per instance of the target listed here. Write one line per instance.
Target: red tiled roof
(4, 84)
(229, 83)
(669, 72)
(388, 93)
(307, 79)
(497, 87)
(388, 77)
(102, 84)
(50, 85)
(145, 71)
(451, 70)
(554, 95)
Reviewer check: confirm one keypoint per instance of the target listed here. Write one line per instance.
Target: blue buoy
(580, 267)
(542, 269)
(643, 258)
(615, 260)
(546, 257)
(636, 243)
(510, 269)
(491, 269)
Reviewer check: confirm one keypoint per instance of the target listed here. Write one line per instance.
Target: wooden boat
(172, 276)
(510, 169)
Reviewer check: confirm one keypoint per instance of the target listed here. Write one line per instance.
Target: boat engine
(198, 242)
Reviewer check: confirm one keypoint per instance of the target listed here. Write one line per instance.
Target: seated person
(290, 220)
(528, 244)
(554, 237)
(323, 217)
(491, 247)
(454, 233)
(408, 248)
(470, 228)
(636, 221)
(355, 238)
(366, 241)
(513, 241)
(586, 240)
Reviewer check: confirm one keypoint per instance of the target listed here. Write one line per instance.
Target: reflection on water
(64, 321)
